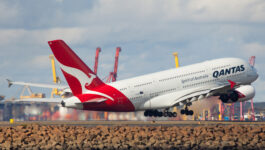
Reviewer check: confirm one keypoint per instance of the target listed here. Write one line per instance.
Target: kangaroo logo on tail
(84, 80)
(91, 78)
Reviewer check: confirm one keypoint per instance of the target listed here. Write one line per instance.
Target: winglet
(232, 84)
(9, 83)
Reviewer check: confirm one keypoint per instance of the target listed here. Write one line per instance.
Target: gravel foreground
(132, 137)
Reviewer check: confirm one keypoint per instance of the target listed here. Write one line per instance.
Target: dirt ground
(35, 136)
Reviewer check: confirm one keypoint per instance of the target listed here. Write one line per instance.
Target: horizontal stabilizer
(35, 100)
(40, 85)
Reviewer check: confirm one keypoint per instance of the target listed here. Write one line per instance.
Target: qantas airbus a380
(227, 78)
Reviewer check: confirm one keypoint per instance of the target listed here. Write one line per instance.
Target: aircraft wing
(177, 98)
(10, 83)
(225, 86)
(191, 95)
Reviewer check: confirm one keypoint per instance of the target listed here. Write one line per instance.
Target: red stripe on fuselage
(120, 104)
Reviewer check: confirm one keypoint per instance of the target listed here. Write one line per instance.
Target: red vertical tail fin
(252, 60)
(77, 74)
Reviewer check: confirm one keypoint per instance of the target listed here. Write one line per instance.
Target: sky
(148, 31)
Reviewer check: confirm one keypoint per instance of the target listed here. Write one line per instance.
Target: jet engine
(240, 94)
(245, 92)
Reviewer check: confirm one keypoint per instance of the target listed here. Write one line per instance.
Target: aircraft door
(139, 96)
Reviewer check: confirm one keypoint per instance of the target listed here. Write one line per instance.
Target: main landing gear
(186, 111)
(156, 113)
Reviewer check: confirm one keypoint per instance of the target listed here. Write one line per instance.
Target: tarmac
(131, 123)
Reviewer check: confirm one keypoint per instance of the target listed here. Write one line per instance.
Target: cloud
(9, 36)
(8, 13)
(256, 49)
(41, 61)
(3, 80)
(119, 14)
(60, 1)
(260, 88)
(232, 11)
(200, 11)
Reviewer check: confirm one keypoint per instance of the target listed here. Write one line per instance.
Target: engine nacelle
(240, 94)
(245, 92)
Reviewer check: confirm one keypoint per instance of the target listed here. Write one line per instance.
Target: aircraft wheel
(165, 114)
(187, 112)
(160, 114)
(151, 113)
(174, 114)
(170, 114)
(182, 111)
(146, 113)
(191, 112)
(155, 113)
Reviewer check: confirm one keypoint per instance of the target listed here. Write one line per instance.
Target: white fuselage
(154, 91)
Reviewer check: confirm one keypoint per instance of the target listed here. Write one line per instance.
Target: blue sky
(147, 31)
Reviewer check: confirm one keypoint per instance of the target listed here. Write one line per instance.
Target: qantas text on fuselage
(228, 71)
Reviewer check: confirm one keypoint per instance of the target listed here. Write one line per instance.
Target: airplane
(229, 79)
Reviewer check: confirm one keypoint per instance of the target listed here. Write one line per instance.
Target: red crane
(252, 63)
(229, 108)
(113, 75)
(241, 111)
(96, 60)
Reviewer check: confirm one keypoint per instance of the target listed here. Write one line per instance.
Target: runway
(131, 123)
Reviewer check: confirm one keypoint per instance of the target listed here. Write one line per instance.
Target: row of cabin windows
(148, 83)
(183, 75)
(122, 89)
(199, 83)
(220, 67)
(137, 97)
(160, 92)
(186, 85)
